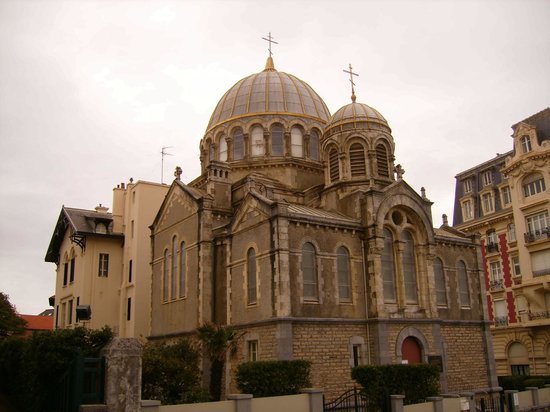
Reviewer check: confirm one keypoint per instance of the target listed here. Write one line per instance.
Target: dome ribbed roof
(359, 115)
(269, 92)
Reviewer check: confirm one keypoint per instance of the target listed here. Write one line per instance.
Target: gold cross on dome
(351, 74)
(270, 40)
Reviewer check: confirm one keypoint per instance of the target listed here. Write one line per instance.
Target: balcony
(531, 237)
(501, 321)
(542, 272)
(495, 285)
(492, 247)
(538, 315)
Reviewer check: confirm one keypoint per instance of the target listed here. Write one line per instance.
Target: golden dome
(269, 92)
(356, 116)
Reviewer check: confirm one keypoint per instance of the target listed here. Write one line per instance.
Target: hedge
(273, 378)
(416, 382)
(519, 383)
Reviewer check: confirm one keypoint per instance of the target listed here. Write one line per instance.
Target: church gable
(253, 210)
(178, 204)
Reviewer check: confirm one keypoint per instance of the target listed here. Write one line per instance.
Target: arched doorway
(411, 351)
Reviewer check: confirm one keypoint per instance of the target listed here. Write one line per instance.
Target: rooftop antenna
(163, 153)
(351, 74)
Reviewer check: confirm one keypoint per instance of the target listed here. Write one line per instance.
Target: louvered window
(382, 160)
(357, 160)
(238, 144)
(314, 145)
(277, 142)
(333, 165)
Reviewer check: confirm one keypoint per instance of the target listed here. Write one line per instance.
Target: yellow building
(103, 262)
(506, 200)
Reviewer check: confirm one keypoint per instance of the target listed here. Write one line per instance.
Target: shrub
(519, 383)
(416, 382)
(171, 374)
(273, 378)
(32, 367)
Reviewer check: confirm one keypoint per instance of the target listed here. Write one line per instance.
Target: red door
(411, 351)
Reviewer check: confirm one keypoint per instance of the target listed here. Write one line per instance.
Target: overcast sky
(90, 91)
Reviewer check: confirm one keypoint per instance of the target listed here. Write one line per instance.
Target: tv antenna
(163, 153)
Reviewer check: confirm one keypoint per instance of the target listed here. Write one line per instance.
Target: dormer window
(526, 144)
(487, 203)
(101, 228)
(467, 185)
(487, 178)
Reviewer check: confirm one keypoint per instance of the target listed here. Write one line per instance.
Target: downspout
(366, 303)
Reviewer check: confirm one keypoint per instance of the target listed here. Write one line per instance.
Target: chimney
(101, 209)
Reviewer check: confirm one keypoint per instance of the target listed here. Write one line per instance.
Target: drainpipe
(366, 299)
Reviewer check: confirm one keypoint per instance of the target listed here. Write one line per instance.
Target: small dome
(356, 116)
(269, 92)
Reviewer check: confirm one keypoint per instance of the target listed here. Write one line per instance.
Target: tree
(217, 342)
(10, 322)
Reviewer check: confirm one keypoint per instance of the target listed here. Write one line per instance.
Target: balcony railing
(538, 315)
(501, 321)
(542, 272)
(537, 235)
(492, 247)
(496, 284)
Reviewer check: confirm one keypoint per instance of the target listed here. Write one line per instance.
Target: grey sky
(91, 90)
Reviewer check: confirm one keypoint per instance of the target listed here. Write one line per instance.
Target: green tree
(10, 322)
(217, 342)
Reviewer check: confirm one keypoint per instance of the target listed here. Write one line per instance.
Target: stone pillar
(123, 374)
(511, 396)
(242, 401)
(470, 398)
(316, 403)
(534, 394)
(397, 403)
(150, 406)
(437, 402)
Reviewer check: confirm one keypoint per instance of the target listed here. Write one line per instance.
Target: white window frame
(103, 271)
(487, 203)
(537, 222)
(534, 187)
(496, 271)
(487, 178)
(467, 185)
(525, 142)
(506, 195)
(467, 210)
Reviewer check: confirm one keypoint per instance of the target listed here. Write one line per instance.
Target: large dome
(269, 92)
(356, 116)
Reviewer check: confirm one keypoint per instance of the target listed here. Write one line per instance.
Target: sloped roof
(81, 222)
(319, 214)
(35, 322)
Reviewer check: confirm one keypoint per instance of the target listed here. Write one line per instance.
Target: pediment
(178, 204)
(254, 209)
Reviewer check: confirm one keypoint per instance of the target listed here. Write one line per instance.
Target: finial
(399, 171)
(445, 221)
(269, 63)
(351, 74)
(178, 173)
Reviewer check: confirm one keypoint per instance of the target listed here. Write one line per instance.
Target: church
(302, 234)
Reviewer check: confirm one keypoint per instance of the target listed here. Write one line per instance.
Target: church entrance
(411, 351)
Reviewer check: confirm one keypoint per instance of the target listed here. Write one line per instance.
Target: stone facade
(302, 234)
(505, 202)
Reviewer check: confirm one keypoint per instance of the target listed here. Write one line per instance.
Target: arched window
(463, 284)
(388, 267)
(211, 154)
(174, 278)
(258, 142)
(440, 288)
(519, 359)
(296, 142)
(357, 160)
(342, 266)
(165, 275)
(309, 271)
(223, 149)
(251, 277)
(314, 145)
(183, 269)
(277, 142)
(409, 268)
(238, 144)
(382, 160)
(526, 144)
(334, 167)
(533, 184)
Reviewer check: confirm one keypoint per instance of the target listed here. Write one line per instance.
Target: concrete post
(316, 403)
(397, 403)
(123, 375)
(242, 401)
(534, 394)
(437, 402)
(471, 401)
(150, 406)
(511, 397)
